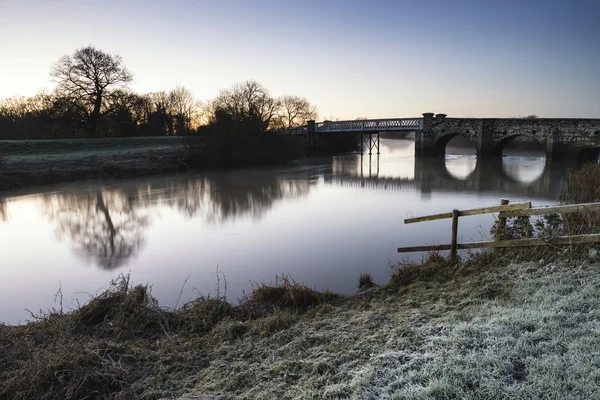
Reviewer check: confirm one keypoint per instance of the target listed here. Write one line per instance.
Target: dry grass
(365, 281)
(122, 345)
(517, 331)
(287, 294)
(583, 185)
(473, 328)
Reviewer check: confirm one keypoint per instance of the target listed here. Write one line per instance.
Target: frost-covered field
(524, 331)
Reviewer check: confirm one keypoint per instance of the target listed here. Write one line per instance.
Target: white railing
(370, 125)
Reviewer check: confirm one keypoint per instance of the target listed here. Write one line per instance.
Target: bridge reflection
(489, 175)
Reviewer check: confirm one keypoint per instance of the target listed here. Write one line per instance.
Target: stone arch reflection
(490, 176)
(432, 174)
(460, 167)
(524, 170)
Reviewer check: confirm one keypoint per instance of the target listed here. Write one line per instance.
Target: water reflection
(106, 225)
(460, 167)
(515, 176)
(103, 226)
(294, 219)
(3, 212)
(524, 169)
(224, 197)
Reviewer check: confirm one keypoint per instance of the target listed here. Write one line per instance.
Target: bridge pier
(311, 134)
(370, 141)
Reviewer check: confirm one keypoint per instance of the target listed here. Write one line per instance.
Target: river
(323, 221)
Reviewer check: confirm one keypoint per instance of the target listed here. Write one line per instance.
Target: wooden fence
(505, 210)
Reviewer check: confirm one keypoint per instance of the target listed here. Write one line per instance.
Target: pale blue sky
(352, 58)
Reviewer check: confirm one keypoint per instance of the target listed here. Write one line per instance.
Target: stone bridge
(562, 138)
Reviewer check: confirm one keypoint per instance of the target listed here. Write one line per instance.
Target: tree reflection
(106, 226)
(218, 198)
(103, 226)
(3, 212)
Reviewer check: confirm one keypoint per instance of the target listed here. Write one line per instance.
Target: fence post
(501, 222)
(454, 238)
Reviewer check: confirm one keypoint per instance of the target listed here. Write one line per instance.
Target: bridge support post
(369, 141)
(424, 143)
(485, 142)
(311, 134)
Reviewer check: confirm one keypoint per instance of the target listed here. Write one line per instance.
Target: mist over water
(323, 221)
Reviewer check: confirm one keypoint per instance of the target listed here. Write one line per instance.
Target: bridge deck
(370, 125)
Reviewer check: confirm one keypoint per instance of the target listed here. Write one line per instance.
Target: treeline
(93, 99)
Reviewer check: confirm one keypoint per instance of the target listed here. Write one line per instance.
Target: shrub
(583, 185)
(204, 313)
(122, 310)
(233, 144)
(435, 267)
(365, 281)
(286, 293)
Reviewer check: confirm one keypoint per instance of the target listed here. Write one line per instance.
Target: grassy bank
(477, 328)
(36, 162)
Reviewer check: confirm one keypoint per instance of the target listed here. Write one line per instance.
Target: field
(32, 151)
(34, 162)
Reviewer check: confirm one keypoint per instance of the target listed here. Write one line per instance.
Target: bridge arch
(439, 147)
(499, 147)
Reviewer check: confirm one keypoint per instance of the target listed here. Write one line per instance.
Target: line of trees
(93, 99)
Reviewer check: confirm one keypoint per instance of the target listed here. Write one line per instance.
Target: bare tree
(183, 110)
(296, 111)
(88, 78)
(247, 102)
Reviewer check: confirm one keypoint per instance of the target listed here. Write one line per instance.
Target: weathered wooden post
(454, 238)
(501, 222)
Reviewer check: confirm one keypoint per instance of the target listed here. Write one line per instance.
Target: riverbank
(32, 163)
(25, 163)
(479, 328)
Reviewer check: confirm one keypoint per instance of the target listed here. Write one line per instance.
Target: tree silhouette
(295, 111)
(248, 103)
(87, 79)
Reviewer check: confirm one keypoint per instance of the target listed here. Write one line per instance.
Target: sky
(351, 58)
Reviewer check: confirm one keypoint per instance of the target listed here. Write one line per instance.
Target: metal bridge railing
(370, 125)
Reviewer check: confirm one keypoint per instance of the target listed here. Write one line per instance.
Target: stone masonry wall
(560, 137)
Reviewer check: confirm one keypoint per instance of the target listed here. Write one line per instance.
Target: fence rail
(505, 210)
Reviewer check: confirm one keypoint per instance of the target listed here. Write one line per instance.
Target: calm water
(322, 221)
